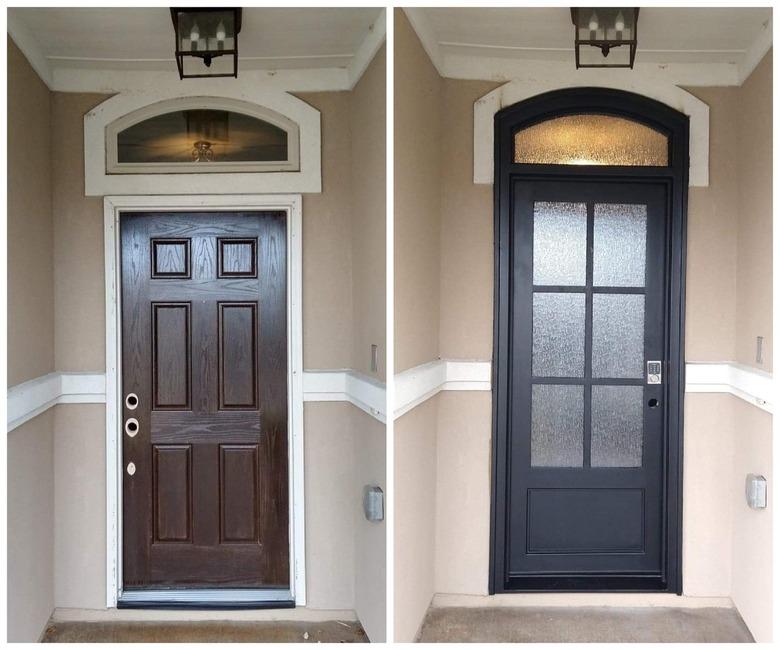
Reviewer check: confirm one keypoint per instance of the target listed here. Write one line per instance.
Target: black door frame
(676, 126)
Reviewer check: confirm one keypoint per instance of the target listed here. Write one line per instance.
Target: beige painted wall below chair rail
(56, 287)
(448, 314)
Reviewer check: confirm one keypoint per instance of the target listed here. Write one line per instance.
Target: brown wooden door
(204, 349)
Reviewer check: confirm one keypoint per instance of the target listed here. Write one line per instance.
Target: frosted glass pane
(616, 426)
(556, 425)
(559, 335)
(591, 140)
(619, 234)
(560, 239)
(618, 335)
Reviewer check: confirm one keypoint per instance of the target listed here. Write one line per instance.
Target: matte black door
(204, 356)
(587, 437)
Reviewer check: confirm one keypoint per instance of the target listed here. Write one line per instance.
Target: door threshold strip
(206, 599)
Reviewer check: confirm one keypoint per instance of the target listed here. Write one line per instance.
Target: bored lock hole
(132, 426)
(131, 401)
(653, 403)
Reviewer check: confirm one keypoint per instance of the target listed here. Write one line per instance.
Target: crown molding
(424, 30)
(367, 50)
(29, 46)
(756, 52)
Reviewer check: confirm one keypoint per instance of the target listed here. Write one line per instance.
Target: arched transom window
(591, 139)
(201, 135)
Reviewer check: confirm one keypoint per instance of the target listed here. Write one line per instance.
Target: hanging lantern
(206, 41)
(604, 37)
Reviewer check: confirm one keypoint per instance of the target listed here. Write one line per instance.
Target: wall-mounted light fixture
(604, 31)
(206, 41)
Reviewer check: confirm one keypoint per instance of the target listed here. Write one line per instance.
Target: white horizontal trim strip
(366, 393)
(750, 384)
(206, 595)
(416, 385)
(33, 397)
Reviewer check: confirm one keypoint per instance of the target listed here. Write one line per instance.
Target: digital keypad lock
(654, 372)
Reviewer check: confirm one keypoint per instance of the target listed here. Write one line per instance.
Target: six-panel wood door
(204, 365)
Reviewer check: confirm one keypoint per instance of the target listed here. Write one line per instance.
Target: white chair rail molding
(416, 385)
(33, 397)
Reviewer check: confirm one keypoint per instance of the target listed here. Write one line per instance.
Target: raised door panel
(172, 493)
(238, 355)
(171, 355)
(238, 503)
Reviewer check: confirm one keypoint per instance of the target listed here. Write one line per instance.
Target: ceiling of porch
(503, 40)
(127, 38)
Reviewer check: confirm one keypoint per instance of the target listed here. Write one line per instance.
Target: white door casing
(113, 206)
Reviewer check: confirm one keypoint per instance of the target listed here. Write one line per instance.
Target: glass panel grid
(618, 348)
(591, 139)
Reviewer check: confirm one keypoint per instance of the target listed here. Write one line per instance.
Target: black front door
(588, 367)
(586, 443)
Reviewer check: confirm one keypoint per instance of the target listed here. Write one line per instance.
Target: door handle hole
(131, 427)
(131, 401)
(653, 403)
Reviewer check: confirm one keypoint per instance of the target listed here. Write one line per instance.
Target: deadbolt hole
(132, 426)
(131, 401)
(653, 403)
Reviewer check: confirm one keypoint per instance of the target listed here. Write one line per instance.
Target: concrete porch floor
(584, 625)
(204, 632)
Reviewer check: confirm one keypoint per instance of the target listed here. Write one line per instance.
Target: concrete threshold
(561, 624)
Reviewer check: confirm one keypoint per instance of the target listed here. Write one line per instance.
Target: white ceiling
(665, 34)
(127, 38)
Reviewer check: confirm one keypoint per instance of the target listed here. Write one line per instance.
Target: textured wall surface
(417, 176)
(30, 231)
(30, 447)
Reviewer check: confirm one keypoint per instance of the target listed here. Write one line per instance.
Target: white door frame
(112, 206)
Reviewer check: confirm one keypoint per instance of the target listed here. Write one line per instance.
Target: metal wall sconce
(203, 37)
(605, 30)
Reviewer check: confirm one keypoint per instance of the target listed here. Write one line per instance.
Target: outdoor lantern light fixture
(604, 31)
(206, 41)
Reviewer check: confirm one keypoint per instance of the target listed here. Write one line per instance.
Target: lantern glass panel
(231, 137)
(212, 31)
(591, 139)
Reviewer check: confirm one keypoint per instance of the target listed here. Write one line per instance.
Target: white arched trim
(301, 121)
(520, 89)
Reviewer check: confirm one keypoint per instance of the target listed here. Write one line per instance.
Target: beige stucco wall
(30, 233)
(754, 237)
(30, 447)
(414, 508)
(368, 136)
(417, 167)
(723, 316)
(370, 537)
(417, 198)
(30, 495)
